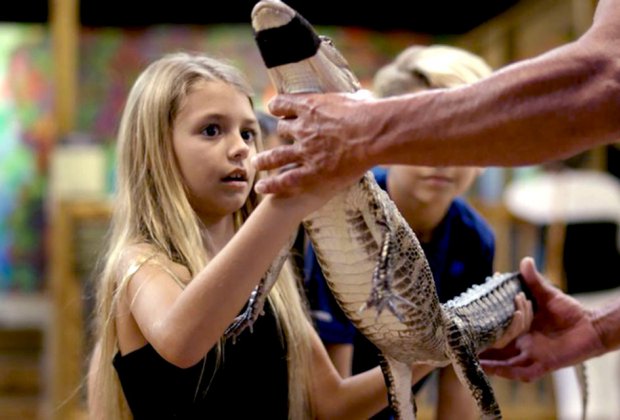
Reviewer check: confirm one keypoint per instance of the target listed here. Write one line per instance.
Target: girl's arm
(358, 396)
(184, 324)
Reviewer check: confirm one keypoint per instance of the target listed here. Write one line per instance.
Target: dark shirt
(460, 255)
(157, 389)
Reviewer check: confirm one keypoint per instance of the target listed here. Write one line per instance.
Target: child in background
(457, 242)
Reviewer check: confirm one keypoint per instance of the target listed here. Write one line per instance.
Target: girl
(189, 242)
(180, 266)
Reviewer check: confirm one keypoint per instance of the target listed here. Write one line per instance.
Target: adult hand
(562, 334)
(329, 146)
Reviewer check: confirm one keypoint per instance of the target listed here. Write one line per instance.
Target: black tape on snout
(287, 44)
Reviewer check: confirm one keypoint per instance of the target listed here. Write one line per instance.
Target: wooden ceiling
(434, 17)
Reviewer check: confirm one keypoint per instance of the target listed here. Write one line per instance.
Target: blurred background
(65, 69)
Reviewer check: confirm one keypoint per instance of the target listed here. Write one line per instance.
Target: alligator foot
(253, 310)
(243, 321)
(256, 302)
(382, 296)
(382, 299)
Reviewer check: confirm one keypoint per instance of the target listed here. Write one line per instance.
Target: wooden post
(68, 330)
(64, 24)
(64, 347)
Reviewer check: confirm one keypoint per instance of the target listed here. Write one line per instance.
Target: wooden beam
(64, 23)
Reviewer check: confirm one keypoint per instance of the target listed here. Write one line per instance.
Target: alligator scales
(369, 255)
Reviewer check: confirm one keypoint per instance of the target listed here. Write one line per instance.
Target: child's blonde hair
(152, 208)
(436, 66)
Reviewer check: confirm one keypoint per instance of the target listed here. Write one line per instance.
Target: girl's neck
(217, 233)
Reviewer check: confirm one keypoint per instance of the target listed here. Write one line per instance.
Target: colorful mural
(115, 56)
(26, 135)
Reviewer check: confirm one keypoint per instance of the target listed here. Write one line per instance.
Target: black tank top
(250, 381)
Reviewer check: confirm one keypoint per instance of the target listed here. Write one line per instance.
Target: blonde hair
(152, 209)
(436, 66)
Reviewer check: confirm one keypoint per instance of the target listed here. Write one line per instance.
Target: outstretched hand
(326, 149)
(561, 334)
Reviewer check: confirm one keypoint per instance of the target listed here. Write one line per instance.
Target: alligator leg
(256, 302)
(467, 367)
(382, 294)
(397, 377)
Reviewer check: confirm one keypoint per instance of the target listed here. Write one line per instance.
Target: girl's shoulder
(146, 257)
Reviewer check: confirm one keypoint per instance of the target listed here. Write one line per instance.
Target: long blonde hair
(152, 208)
(429, 67)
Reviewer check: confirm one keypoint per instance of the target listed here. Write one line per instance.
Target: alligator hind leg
(382, 294)
(467, 367)
(397, 377)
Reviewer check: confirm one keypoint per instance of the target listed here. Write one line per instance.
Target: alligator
(371, 259)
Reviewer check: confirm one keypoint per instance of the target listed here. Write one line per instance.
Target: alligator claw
(382, 295)
(239, 325)
(390, 300)
(251, 313)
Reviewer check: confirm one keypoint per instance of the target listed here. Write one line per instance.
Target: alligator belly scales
(370, 257)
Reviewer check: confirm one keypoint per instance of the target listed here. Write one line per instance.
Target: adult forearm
(542, 109)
